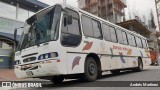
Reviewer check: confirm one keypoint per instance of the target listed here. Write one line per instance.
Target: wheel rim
(92, 69)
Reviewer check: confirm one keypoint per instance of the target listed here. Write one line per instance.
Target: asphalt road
(152, 73)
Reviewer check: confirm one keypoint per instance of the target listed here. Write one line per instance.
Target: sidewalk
(8, 75)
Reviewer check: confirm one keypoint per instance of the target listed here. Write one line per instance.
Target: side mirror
(15, 34)
(69, 19)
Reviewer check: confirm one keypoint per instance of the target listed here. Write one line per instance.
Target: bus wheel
(140, 65)
(91, 70)
(57, 79)
(115, 72)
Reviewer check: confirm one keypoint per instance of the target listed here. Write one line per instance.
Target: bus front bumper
(41, 69)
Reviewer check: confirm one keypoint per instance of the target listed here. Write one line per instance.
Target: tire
(115, 72)
(140, 66)
(90, 70)
(57, 79)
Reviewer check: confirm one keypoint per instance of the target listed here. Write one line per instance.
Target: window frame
(134, 40)
(92, 19)
(139, 41)
(110, 32)
(79, 22)
(145, 41)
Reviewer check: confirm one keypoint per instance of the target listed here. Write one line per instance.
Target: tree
(152, 20)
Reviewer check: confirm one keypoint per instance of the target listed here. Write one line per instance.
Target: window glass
(71, 35)
(109, 33)
(106, 32)
(74, 27)
(64, 26)
(96, 29)
(23, 14)
(87, 26)
(139, 42)
(131, 40)
(120, 36)
(8, 11)
(124, 38)
(144, 43)
(113, 34)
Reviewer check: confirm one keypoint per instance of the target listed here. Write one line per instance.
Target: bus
(62, 42)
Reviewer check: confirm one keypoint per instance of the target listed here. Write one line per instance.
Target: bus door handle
(46, 43)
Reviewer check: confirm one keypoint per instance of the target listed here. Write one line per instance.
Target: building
(112, 10)
(136, 25)
(13, 14)
(158, 9)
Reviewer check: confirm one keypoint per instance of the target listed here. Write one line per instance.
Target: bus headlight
(48, 55)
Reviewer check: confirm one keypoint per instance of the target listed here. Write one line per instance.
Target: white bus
(61, 41)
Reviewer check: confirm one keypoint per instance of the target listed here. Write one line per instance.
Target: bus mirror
(69, 19)
(15, 34)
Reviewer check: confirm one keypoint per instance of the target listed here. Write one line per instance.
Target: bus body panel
(71, 60)
(57, 66)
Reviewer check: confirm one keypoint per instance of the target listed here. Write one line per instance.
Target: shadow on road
(80, 83)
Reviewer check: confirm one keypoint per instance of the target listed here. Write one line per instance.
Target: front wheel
(90, 70)
(57, 79)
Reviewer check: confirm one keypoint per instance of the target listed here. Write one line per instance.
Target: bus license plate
(29, 73)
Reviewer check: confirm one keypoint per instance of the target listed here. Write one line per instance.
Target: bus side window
(131, 40)
(106, 32)
(144, 43)
(125, 41)
(139, 42)
(96, 26)
(109, 33)
(120, 36)
(87, 26)
(91, 27)
(113, 34)
(71, 35)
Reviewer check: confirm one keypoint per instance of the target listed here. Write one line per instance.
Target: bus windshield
(41, 27)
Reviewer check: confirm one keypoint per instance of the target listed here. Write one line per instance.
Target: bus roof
(89, 14)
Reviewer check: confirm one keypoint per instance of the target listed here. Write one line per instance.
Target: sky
(141, 8)
(52, 2)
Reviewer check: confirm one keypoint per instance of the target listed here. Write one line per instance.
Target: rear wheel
(140, 65)
(57, 79)
(91, 70)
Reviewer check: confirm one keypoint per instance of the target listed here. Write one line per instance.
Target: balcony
(92, 3)
(117, 11)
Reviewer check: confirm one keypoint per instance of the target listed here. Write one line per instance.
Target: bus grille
(29, 59)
